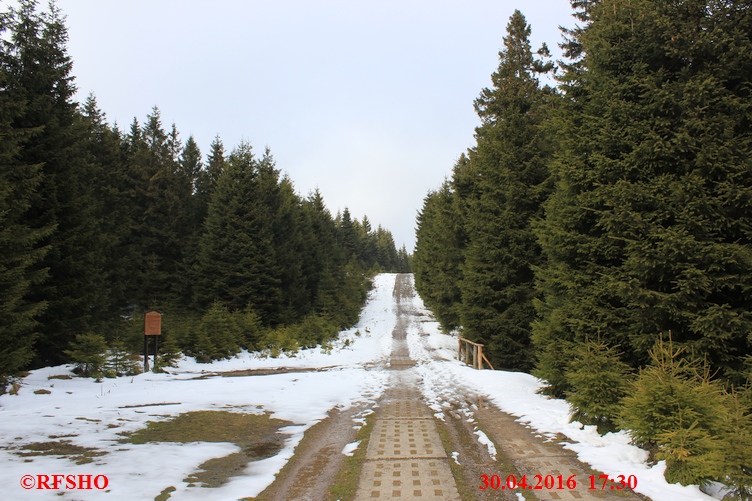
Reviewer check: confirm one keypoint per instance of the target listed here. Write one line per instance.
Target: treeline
(598, 234)
(98, 225)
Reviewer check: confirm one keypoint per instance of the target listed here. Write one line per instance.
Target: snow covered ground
(80, 410)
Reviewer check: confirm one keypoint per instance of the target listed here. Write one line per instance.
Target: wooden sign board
(153, 324)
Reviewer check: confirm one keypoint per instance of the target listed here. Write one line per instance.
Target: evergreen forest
(599, 233)
(99, 225)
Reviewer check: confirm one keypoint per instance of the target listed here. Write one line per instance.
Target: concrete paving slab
(405, 438)
(423, 479)
(405, 409)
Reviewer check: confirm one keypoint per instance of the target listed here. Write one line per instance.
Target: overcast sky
(371, 102)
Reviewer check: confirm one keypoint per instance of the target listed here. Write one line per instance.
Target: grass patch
(62, 448)
(61, 376)
(255, 434)
(346, 482)
(165, 494)
(466, 492)
(42, 392)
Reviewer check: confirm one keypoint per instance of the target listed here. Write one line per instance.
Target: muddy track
(310, 473)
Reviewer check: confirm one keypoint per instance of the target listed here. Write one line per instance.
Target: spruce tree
(673, 406)
(648, 230)
(404, 260)
(207, 177)
(510, 162)
(89, 353)
(737, 445)
(598, 379)
(38, 74)
(326, 260)
(348, 234)
(237, 262)
(20, 246)
(161, 217)
(189, 218)
(439, 254)
(111, 192)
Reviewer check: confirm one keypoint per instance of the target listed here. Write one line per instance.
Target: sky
(370, 102)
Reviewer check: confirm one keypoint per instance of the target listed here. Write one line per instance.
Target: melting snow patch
(484, 440)
(349, 449)
(455, 455)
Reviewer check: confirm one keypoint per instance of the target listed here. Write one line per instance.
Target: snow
(350, 448)
(352, 373)
(484, 440)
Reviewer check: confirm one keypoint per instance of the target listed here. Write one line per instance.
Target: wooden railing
(470, 351)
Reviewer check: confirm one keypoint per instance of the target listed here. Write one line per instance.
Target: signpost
(152, 327)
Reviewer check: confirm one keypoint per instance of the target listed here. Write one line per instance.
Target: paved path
(405, 459)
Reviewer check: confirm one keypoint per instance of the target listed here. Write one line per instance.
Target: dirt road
(411, 454)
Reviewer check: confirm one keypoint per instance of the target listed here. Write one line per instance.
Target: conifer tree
(20, 245)
(326, 262)
(89, 353)
(38, 74)
(237, 261)
(221, 328)
(737, 445)
(321, 260)
(189, 218)
(598, 379)
(439, 254)
(111, 192)
(162, 221)
(510, 162)
(675, 406)
(404, 260)
(648, 230)
(348, 234)
(206, 180)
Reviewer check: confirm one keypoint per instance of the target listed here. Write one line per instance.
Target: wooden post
(156, 351)
(146, 353)
(472, 354)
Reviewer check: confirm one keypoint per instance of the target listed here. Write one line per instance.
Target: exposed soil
(318, 458)
(262, 372)
(473, 460)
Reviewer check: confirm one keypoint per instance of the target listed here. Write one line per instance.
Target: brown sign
(153, 324)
